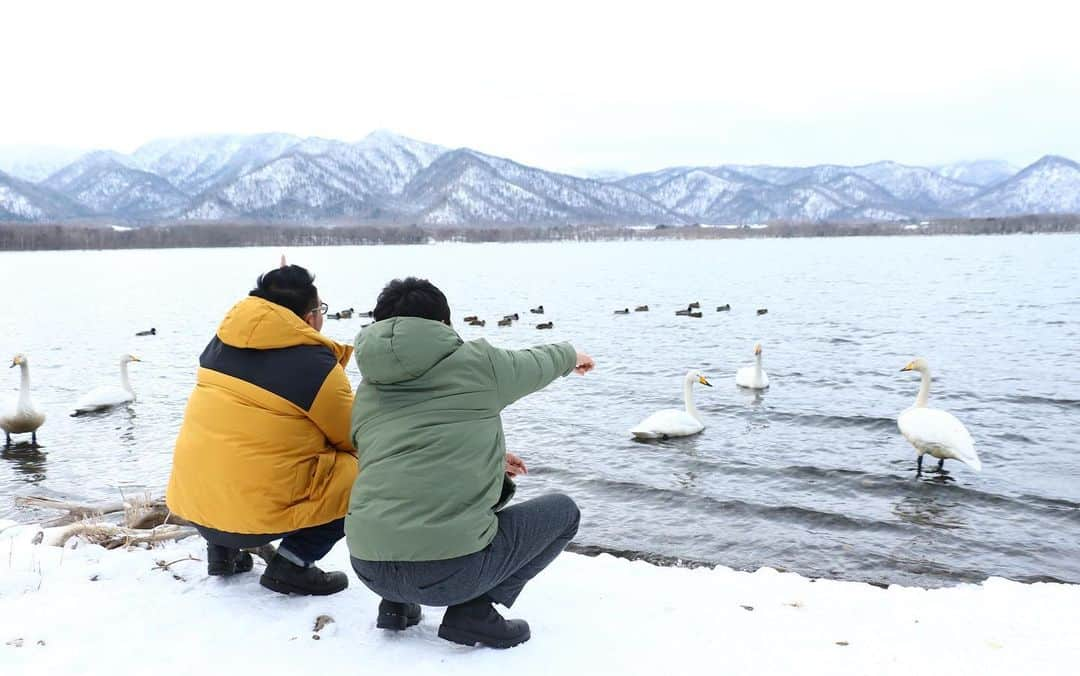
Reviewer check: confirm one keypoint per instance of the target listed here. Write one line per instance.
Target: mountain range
(387, 178)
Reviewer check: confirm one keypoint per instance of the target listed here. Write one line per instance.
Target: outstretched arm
(521, 372)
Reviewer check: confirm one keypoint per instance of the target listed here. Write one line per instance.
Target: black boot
(397, 616)
(286, 577)
(226, 560)
(477, 621)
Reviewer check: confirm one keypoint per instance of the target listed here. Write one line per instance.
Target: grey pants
(531, 534)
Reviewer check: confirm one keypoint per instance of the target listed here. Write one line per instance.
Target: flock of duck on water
(931, 431)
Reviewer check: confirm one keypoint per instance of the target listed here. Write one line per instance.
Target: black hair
(290, 286)
(412, 297)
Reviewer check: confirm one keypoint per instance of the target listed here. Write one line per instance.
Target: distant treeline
(15, 237)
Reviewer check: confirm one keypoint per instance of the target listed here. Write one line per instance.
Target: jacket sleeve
(521, 372)
(332, 409)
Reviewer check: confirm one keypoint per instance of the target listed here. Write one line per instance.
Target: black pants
(531, 534)
(303, 547)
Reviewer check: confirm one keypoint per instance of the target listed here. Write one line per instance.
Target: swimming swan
(107, 396)
(753, 377)
(934, 431)
(22, 417)
(674, 422)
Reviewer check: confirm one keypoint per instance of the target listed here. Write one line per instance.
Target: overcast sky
(573, 86)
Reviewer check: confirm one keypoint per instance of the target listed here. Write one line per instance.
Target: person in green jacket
(425, 523)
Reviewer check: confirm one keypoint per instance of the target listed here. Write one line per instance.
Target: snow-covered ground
(89, 610)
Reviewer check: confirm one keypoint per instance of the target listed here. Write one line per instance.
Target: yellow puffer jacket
(265, 445)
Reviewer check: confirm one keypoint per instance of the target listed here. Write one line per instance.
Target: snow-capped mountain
(383, 162)
(24, 202)
(105, 183)
(916, 184)
(464, 186)
(318, 179)
(389, 178)
(746, 194)
(705, 192)
(295, 187)
(833, 193)
(978, 172)
(195, 165)
(1051, 185)
(786, 175)
(88, 163)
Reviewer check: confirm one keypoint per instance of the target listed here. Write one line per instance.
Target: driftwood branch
(111, 536)
(161, 564)
(75, 511)
(137, 513)
(145, 521)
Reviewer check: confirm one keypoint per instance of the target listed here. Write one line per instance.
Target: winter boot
(397, 616)
(285, 577)
(477, 621)
(226, 560)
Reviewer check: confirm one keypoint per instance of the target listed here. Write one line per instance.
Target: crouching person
(424, 523)
(264, 452)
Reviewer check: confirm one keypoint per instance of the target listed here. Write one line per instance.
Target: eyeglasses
(322, 309)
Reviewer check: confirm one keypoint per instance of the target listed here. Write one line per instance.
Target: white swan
(934, 431)
(674, 422)
(108, 396)
(753, 377)
(22, 417)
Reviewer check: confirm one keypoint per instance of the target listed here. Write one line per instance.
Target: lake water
(810, 476)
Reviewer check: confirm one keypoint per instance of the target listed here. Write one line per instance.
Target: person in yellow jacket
(265, 450)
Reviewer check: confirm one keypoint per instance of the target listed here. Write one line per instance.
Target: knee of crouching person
(572, 512)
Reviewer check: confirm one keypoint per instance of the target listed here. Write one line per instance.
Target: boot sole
(286, 588)
(471, 638)
(396, 622)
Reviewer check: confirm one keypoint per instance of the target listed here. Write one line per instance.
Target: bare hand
(585, 364)
(515, 466)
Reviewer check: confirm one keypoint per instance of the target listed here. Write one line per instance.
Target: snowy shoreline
(84, 609)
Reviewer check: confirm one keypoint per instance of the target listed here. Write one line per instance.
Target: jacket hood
(403, 348)
(255, 323)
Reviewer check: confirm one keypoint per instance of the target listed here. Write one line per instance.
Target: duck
(753, 377)
(470, 319)
(513, 317)
(641, 308)
(151, 332)
(538, 310)
(934, 431)
(624, 311)
(477, 322)
(695, 315)
(684, 313)
(346, 314)
(694, 306)
(763, 311)
(108, 396)
(675, 422)
(546, 325)
(505, 322)
(369, 313)
(21, 417)
(724, 308)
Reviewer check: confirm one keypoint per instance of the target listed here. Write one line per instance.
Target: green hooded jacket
(426, 424)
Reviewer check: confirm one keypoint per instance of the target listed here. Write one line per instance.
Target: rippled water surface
(811, 475)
